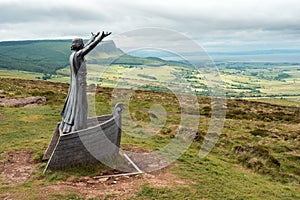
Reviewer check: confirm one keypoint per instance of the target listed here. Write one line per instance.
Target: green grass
(27, 128)
(216, 179)
(256, 157)
(19, 74)
(149, 192)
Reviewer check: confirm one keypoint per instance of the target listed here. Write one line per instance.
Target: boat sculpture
(99, 141)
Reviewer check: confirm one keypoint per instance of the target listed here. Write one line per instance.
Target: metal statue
(74, 113)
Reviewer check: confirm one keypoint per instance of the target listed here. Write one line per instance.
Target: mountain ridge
(43, 56)
(48, 56)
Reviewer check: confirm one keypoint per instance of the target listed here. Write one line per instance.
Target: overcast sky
(217, 25)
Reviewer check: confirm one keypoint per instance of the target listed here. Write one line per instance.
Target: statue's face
(77, 44)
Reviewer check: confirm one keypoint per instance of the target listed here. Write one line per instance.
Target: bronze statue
(74, 113)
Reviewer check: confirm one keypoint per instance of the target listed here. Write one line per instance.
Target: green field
(274, 82)
(261, 80)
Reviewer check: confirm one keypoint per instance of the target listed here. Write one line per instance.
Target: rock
(80, 184)
(2, 94)
(102, 180)
(92, 181)
(22, 102)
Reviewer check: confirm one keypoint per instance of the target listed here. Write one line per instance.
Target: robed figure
(74, 113)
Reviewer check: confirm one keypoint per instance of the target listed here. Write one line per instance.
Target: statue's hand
(103, 35)
(95, 35)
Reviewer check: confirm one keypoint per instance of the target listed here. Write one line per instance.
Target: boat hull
(99, 141)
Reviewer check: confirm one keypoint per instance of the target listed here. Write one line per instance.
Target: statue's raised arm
(94, 41)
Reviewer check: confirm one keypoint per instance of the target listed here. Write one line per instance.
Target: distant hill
(48, 56)
(43, 56)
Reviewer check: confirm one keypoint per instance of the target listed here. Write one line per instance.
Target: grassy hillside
(257, 155)
(48, 56)
(44, 56)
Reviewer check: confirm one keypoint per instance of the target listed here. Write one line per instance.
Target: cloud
(229, 23)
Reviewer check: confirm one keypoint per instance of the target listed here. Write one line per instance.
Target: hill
(42, 56)
(256, 157)
(48, 56)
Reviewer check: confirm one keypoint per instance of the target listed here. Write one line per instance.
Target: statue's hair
(77, 43)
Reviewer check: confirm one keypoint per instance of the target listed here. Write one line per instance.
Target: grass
(19, 74)
(256, 157)
(215, 178)
(148, 192)
(27, 127)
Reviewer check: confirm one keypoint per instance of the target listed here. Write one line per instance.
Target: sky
(217, 25)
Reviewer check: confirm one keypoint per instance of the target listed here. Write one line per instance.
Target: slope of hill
(43, 56)
(48, 56)
(256, 157)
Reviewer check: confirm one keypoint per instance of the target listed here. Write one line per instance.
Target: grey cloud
(23, 14)
(214, 22)
(230, 14)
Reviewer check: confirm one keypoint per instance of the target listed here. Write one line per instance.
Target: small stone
(102, 180)
(80, 184)
(92, 181)
(114, 182)
(84, 179)
(148, 176)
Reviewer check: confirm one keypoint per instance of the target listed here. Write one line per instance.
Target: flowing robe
(74, 113)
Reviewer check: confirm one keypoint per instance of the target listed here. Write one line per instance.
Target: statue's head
(77, 44)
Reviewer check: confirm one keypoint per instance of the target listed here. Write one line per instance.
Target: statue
(74, 112)
(77, 139)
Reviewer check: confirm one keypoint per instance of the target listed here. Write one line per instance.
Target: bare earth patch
(16, 167)
(121, 187)
(22, 102)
